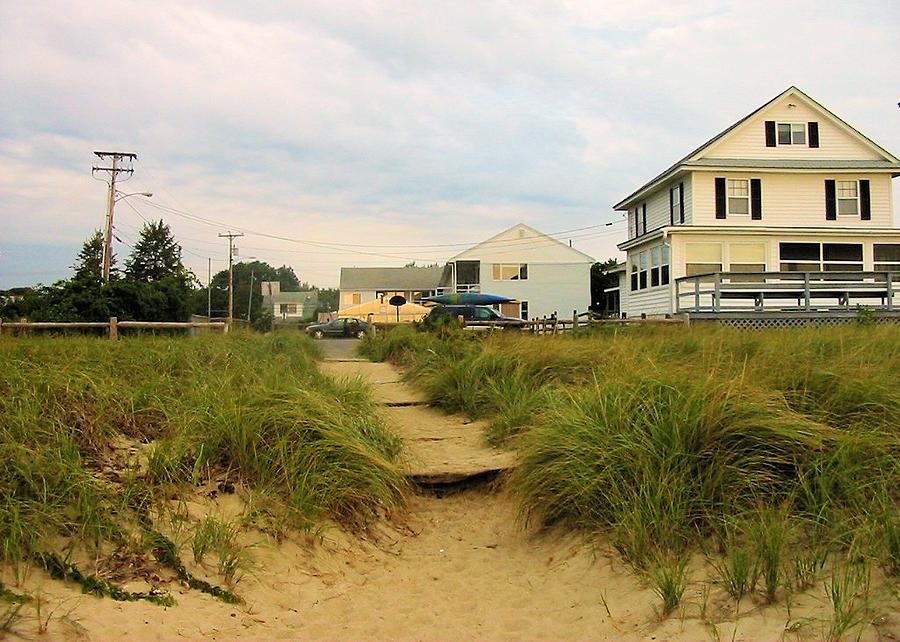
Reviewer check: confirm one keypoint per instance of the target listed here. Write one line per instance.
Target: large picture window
(818, 257)
(887, 257)
(650, 268)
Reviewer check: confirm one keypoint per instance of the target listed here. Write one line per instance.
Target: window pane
(634, 281)
(801, 267)
(887, 251)
(523, 271)
(496, 272)
(665, 274)
(737, 187)
(665, 254)
(847, 206)
(692, 269)
(847, 189)
(738, 206)
(843, 267)
(784, 134)
(747, 252)
(887, 267)
(654, 256)
(747, 267)
(703, 252)
(643, 279)
(798, 134)
(654, 277)
(799, 251)
(643, 260)
(842, 252)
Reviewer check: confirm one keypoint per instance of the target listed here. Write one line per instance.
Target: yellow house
(788, 210)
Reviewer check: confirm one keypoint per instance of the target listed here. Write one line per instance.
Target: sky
(377, 133)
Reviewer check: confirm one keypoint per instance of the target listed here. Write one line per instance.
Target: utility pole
(209, 289)
(120, 163)
(250, 300)
(230, 236)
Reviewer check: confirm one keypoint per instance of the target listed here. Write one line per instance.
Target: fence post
(113, 328)
(697, 294)
(890, 291)
(717, 291)
(806, 291)
(574, 320)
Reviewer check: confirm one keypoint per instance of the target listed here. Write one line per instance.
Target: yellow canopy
(384, 312)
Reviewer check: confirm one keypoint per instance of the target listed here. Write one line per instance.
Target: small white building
(360, 285)
(544, 276)
(789, 209)
(289, 306)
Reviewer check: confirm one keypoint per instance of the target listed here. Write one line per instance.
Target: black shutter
(812, 129)
(720, 197)
(644, 217)
(830, 201)
(681, 201)
(865, 203)
(756, 199)
(770, 133)
(672, 206)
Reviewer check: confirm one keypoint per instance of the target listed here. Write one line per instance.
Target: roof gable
(726, 145)
(522, 243)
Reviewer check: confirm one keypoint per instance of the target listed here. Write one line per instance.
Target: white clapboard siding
(549, 288)
(658, 214)
(792, 200)
(749, 139)
(652, 302)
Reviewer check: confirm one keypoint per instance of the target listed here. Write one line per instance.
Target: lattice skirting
(765, 323)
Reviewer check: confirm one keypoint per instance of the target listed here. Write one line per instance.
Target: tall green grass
(663, 437)
(248, 408)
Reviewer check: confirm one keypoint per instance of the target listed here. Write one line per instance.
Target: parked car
(339, 328)
(474, 315)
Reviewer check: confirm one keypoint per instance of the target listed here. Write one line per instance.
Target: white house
(289, 306)
(542, 274)
(790, 208)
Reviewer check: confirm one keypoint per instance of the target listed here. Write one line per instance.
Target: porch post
(717, 291)
(696, 294)
(890, 291)
(806, 291)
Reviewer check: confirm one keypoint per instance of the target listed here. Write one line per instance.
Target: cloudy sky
(375, 133)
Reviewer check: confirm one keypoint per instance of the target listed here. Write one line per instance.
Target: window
(887, 257)
(510, 271)
(357, 298)
(351, 298)
(664, 268)
(654, 266)
(643, 260)
(842, 257)
(738, 196)
(676, 211)
(747, 257)
(634, 272)
(524, 310)
(847, 198)
(818, 257)
(287, 308)
(702, 258)
(792, 133)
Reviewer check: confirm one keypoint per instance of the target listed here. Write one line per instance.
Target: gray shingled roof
(792, 163)
(309, 297)
(391, 278)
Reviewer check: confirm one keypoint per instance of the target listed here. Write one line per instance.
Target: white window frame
(675, 211)
(882, 265)
(838, 198)
(795, 128)
(728, 196)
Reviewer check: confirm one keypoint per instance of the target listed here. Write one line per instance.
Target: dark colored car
(339, 328)
(474, 315)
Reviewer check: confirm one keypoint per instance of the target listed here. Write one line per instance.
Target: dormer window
(791, 133)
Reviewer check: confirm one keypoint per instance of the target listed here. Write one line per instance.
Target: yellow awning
(384, 312)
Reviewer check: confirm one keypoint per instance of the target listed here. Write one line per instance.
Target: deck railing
(786, 291)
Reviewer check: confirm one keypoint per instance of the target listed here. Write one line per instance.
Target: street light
(107, 239)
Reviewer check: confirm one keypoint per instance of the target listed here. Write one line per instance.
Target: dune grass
(244, 408)
(754, 444)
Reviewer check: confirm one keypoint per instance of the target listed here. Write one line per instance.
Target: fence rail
(113, 325)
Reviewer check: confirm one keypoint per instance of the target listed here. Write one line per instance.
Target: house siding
(658, 207)
(749, 140)
(549, 288)
(792, 200)
(652, 302)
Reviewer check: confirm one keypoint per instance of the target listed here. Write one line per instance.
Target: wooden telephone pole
(119, 163)
(230, 236)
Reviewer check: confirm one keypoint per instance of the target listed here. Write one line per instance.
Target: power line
(120, 163)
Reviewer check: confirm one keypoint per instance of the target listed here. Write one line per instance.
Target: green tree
(244, 273)
(601, 280)
(328, 300)
(156, 285)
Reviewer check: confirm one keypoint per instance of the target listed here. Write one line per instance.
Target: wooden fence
(556, 325)
(113, 326)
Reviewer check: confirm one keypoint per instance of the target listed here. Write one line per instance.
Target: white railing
(791, 291)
